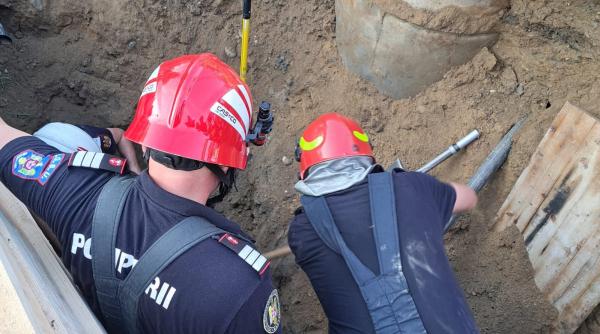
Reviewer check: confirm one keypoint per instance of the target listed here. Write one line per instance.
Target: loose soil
(86, 62)
(466, 20)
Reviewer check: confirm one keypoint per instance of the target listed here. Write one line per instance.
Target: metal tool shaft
(452, 150)
(491, 164)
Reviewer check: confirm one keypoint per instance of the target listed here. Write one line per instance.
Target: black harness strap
(163, 251)
(118, 299)
(104, 233)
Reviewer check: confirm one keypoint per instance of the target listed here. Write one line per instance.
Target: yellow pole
(244, 53)
(245, 40)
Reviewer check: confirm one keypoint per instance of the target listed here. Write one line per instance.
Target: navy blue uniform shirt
(208, 289)
(423, 206)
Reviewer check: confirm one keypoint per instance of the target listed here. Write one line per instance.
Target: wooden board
(46, 293)
(556, 206)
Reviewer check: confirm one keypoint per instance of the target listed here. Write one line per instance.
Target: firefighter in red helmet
(332, 136)
(371, 241)
(147, 252)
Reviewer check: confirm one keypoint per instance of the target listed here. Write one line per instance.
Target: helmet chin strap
(226, 180)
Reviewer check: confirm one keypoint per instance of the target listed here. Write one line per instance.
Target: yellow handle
(244, 53)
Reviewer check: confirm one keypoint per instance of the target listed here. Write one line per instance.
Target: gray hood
(335, 175)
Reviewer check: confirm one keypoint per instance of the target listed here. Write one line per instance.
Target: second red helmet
(195, 107)
(329, 137)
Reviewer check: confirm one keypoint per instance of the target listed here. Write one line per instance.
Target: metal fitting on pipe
(450, 151)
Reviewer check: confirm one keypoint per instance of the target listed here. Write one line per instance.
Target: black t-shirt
(208, 289)
(423, 206)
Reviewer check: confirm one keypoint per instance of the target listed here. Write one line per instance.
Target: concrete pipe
(404, 46)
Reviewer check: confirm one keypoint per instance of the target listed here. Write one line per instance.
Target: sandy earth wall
(86, 62)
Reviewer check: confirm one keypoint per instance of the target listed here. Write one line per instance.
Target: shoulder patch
(51, 168)
(30, 165)
(272, 313)
(244, 250)
(96, 160)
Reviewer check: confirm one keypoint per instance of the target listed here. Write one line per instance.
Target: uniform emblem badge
(272, 314)
(29, 164)
(232, 240)
(116, 162)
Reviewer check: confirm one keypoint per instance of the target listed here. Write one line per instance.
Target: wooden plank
(554, 204)
(45, 290)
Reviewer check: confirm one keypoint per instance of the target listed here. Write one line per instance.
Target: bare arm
(126, 148)
(8, 133)
(466, 199)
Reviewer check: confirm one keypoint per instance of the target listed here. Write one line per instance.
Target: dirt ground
(86, 62)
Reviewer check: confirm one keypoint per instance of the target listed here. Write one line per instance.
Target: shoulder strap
(95, 160)
(318, 214)
(104, 231)
(320, 217)
(385, 224)
(167, 248)
(246, 251)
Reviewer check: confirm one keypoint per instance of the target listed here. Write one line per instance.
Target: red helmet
(195, 107)
(329, 137)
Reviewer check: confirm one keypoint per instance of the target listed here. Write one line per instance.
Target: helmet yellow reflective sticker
(310, 145)
(361, 136)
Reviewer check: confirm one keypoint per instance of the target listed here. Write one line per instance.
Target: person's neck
(195, 185)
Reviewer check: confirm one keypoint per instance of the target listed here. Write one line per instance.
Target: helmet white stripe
(219, 110)
(246, 97)
(154, 74)
(150, 88)
(234, 99)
